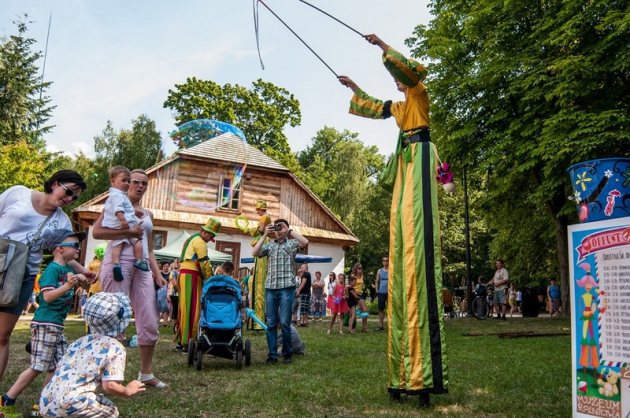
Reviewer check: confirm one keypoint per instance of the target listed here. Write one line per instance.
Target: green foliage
(521, 90)
(261, 112)
(23, 164)
(138, 147)
(24, 109)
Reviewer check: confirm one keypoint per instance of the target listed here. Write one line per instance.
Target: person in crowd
(357, 274)
(415, 277)
(353, 300)
(519, 300)
(500, 282)
(553, 293)
(164, 302)
(318, 296)
(119, 213)
(195, 267)
(330, 289)
(48, 343)
(382, 276)
(339, 305)
(30, 217)
(93, 364)
(173, 290)
(512, 299)
(279, 284)
(304, 293)
(140, 286)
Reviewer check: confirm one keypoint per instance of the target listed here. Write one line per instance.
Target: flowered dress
(339, 303)
(89, 361)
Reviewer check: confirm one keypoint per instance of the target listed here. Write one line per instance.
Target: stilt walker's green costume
(256, 284)
(416, 355)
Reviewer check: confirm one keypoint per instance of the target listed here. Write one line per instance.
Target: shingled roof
(229, 147)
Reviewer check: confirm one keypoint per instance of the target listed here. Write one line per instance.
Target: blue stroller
(220, 324)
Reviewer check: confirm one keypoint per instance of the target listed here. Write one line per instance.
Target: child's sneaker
(118, 275)
(141, 265)
(35, 411)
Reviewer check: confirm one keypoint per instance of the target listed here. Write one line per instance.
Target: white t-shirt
(500, 275)
(118, 201)
(20, 221)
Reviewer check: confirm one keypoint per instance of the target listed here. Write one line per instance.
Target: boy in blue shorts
(56, 296)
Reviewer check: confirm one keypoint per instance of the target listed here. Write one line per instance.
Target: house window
(159, 239)
(229, 197)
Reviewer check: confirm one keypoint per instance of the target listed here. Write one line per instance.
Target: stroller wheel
(248, 352)
(239, 359)
(191, 351)
(198, 357)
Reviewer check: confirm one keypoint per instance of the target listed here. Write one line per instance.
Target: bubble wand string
(256, 26)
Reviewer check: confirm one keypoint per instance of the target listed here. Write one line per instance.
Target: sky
(116, 60)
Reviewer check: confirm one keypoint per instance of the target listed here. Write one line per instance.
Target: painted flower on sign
(608, 173)
(582, 180)
(576, 195)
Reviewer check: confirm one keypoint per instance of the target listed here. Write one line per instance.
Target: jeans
(278, 304)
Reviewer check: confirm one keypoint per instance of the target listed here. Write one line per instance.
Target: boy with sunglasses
(48, 344)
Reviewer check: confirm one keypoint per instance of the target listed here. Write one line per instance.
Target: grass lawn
(345, 375)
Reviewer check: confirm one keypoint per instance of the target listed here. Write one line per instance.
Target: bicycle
(480, 305)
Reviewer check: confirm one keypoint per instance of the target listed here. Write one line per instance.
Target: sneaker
(271, 360)
(35, 411)
(118, 275)
(9, 412)
(141, 265)
(287, 360)
(179, 347)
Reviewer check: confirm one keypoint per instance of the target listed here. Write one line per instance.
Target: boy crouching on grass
(94, 361)
(48, 344)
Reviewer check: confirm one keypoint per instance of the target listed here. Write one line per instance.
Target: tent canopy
(174, 250)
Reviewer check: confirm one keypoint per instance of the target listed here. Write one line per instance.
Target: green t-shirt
(55, 312)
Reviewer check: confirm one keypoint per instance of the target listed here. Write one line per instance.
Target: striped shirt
(281, 263)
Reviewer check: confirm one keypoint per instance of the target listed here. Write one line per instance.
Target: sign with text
(599, 265)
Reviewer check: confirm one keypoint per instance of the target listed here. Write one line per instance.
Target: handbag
(13, 260)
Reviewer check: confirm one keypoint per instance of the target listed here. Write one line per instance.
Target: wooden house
(203, 181)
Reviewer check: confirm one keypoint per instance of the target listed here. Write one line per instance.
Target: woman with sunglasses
(31, 216)
(141, 285)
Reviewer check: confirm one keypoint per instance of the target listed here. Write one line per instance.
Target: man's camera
(277, 227)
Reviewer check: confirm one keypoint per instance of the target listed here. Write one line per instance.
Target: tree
(521, 90)
(24, 164)
(261, 112)
(139, 147)
(24, 110)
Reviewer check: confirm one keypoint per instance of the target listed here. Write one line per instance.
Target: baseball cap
(58, 236)
(107, 313)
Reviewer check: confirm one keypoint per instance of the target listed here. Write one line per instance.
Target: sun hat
(261, 204)
(58, 236)
(212, 226)
(107, 313)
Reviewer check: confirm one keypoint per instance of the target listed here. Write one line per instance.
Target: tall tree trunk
(562, 247)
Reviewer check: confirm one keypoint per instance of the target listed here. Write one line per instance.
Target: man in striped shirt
(279, 284)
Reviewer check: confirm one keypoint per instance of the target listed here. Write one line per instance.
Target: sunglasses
(75, 245)
(69, 192)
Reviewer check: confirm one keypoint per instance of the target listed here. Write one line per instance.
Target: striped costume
(194, 268)
(256, 284)
(416, 356)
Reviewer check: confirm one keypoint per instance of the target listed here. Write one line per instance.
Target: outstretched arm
(375, 40)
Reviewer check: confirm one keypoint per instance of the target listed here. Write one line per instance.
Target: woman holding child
(137, 283)
(31, 216)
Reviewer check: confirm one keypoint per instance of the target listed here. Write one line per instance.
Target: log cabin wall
(184, 183)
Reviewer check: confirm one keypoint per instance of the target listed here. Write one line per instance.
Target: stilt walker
(256, 283)
(416, 350)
